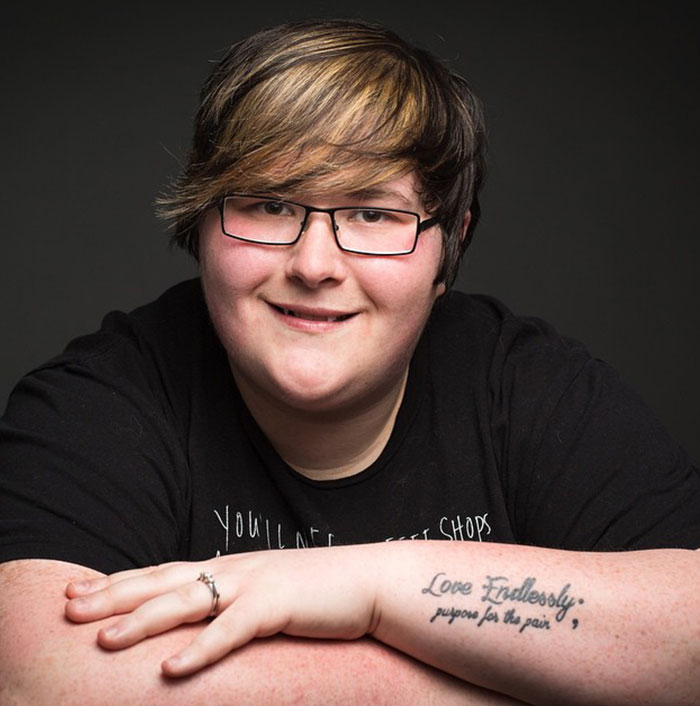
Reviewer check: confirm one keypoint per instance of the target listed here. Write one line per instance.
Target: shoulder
(146, 349)
(100, 433)
(142, 365)
(516, 370)
(487, 331)
(171, 323)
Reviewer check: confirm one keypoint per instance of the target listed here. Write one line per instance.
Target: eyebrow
(379, 192)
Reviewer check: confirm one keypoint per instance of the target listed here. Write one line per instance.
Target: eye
(370, 217)
(274, 208)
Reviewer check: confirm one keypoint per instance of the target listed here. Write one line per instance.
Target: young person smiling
(320, 340)
(318, 391)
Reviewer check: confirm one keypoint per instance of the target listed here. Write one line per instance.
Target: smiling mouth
(312, 317)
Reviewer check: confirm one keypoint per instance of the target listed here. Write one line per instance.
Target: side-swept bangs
(331, 107)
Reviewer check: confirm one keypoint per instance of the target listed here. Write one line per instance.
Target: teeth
(309, 317)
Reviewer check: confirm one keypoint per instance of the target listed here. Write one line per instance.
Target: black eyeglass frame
(420, 225)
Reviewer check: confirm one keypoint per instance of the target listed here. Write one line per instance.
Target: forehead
(401, 192)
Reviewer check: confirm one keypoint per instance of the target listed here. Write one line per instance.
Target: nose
(315, 259)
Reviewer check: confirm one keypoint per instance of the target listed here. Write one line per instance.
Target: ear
(465, 225)
(440, 287)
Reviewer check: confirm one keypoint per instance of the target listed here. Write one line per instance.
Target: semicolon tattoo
(522, 604)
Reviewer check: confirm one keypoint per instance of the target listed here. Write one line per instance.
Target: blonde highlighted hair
(333, 106)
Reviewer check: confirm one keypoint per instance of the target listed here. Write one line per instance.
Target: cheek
(232, 268)
(231, 273)
(226, 263)
(404, 285)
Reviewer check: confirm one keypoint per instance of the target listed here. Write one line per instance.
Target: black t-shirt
(134, 447)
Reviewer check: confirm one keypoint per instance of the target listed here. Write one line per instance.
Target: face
(314, 328)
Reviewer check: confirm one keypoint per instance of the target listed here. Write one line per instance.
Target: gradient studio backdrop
(591, 214)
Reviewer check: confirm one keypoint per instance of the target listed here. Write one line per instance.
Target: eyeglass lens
(358, 229)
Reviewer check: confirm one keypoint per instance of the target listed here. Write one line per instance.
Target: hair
(332, 106)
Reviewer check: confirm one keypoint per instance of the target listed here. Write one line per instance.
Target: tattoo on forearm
(520, 604)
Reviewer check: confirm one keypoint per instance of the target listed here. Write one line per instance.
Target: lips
(309, 314)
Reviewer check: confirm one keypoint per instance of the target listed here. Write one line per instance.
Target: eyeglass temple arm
(427, 223)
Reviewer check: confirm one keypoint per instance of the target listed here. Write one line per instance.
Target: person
(224, 484)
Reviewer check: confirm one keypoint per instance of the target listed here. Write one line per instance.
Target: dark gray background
(590, 211)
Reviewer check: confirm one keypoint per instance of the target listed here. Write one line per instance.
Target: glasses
(357, 229)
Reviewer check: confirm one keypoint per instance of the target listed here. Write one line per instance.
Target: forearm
(541, 625)
(614, 628)
(44, 659)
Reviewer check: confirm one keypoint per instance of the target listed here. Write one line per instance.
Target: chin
(312, 395)
(308, 376)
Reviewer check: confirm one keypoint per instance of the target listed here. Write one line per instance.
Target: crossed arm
(45, 659)
(543, 626)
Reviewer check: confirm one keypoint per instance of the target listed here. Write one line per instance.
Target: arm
(624, 627)
(44, 659)
(618, 628)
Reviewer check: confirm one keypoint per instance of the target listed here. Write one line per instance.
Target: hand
(320, 593)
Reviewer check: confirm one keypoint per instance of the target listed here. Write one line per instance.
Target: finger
(189, 603)
(235, 627)
(129, 592)
(85, 586)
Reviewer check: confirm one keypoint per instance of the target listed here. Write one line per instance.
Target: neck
(325, 445)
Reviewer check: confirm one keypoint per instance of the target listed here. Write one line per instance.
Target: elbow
(20, 685)
(28, 675)
(668, 673)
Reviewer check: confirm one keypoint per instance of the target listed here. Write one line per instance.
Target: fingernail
(79, 586)
(111, 631)
(173, 665)
(177, 662)
(80, 604)
(172, 662)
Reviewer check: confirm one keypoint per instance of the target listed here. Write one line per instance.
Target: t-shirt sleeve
(90, 469)
(586, 464)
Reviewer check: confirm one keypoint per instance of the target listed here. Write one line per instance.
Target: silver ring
(206, 578)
